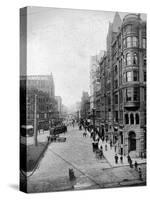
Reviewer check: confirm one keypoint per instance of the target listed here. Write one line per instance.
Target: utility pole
(35, 121)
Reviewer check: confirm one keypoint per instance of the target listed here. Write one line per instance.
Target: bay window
(144, 43)
(129, 42)
(128, 76)
(134, 41)
(129, 59)
(129, 94)
(135, 75)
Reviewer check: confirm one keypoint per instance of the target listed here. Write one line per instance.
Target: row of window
(131, 118)
(130, 28)
(131, 76)
(132, 94)
(130, 42)
(133, 42)
(131, 58)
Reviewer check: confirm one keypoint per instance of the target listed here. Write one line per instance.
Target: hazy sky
(61, 41)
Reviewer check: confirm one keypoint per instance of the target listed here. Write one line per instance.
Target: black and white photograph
(82, 99)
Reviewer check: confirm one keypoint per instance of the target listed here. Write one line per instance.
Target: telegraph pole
(35, 121)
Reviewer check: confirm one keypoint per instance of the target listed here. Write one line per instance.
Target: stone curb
(28, 174)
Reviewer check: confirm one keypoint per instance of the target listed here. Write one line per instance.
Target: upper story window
(126, 119)
(136, 95)
(134, 41)
(128, 76)
(128, 28)
(120, 96)
(137, 119)
(130, 42)
(124, 43)
(115, 83)
(135, 59)
(131, 59)
(132, 94)
(116, 70)
(135, 75)
(144, 43)
(131, 118)
(116, 99)
(131, 76)
(129, 94)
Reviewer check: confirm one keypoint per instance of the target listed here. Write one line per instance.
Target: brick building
(123, 85)
(85, 106)
(38, 90)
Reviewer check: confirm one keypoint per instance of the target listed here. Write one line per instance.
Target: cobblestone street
(52, 173)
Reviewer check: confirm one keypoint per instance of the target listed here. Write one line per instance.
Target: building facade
(123, 85)
(38, 93)
(59, 105)
(85, 106)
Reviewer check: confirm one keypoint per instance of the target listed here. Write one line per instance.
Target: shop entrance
(132, 141)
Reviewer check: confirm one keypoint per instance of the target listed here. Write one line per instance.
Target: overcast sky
(61, 41)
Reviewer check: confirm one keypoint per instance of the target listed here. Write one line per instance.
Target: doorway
(132, 141)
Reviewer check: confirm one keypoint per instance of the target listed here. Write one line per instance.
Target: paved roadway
(90, 172)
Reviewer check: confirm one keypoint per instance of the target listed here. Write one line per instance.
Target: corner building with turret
(123, 110)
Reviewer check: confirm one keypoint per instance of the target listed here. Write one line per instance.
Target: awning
(27, 127)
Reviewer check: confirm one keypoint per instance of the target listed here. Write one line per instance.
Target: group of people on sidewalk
(99, 142)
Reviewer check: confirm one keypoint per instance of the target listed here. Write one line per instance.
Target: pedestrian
(72, 178)
(84, 134)
(93, 146)
(111, 144)
(106, 139)
(136, 165)
(129, 158)
(115, 147)
(103, 139)
(116, 159)
(105, 147)
(101, 154)
(140, 174)
(131, 165)
(121, 159)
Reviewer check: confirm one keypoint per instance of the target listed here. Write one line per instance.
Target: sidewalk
(110, 154)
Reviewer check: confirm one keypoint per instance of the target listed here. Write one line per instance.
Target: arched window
(131, 118)
(135, 59)
(129, 59)
(137, 118)
(126, 119)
